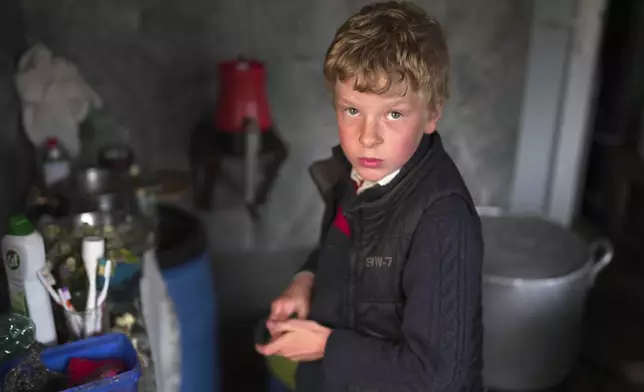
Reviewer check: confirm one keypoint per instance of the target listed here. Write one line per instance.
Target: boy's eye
(395, 115)
(351, 111)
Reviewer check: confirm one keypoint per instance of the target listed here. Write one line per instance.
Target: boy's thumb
(302, 313)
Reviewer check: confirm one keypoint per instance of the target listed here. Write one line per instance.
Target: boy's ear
(434, 117)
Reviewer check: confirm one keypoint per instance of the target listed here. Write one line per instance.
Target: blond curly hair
(390, 43)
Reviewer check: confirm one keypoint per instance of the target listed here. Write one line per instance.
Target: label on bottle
(16, 283)
(56, 171)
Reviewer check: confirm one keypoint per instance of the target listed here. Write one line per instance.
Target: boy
(391, 299)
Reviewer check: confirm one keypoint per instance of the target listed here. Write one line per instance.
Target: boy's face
(380, 133)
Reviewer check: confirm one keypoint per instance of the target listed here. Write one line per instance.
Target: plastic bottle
(23, 251)
(56, 164)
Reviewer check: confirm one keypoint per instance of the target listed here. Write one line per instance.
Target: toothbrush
(66, 299)
(74, 318)
(93, 250)
(107, 273)
(105, 266)
(48, 280)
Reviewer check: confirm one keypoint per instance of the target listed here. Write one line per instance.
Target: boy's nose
(370, 135)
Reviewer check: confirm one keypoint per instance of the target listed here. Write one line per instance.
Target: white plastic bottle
(56, 164)
(23, 251)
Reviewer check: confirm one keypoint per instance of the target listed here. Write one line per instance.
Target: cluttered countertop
(104, 245)
(113, 263)
(73, 256)
(76, 275)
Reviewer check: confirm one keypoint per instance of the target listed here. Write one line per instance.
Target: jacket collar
(336, 170)
(409, 176)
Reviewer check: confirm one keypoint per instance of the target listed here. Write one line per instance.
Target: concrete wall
(153, 62)
(16, 156)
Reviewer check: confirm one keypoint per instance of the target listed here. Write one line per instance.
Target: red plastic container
(242, 94)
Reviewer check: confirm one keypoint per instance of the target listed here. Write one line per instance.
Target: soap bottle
(23, 252)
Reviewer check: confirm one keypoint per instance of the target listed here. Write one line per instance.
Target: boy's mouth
(370, 163)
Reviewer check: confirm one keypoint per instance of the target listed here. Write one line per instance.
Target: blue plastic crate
(110, 346)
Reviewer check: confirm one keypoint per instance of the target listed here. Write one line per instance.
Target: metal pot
(92, 189)
(536, 277)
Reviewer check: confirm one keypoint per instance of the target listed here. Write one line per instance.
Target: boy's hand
(296, 299)
(298, 340)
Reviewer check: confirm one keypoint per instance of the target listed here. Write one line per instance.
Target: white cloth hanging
(55, 98)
